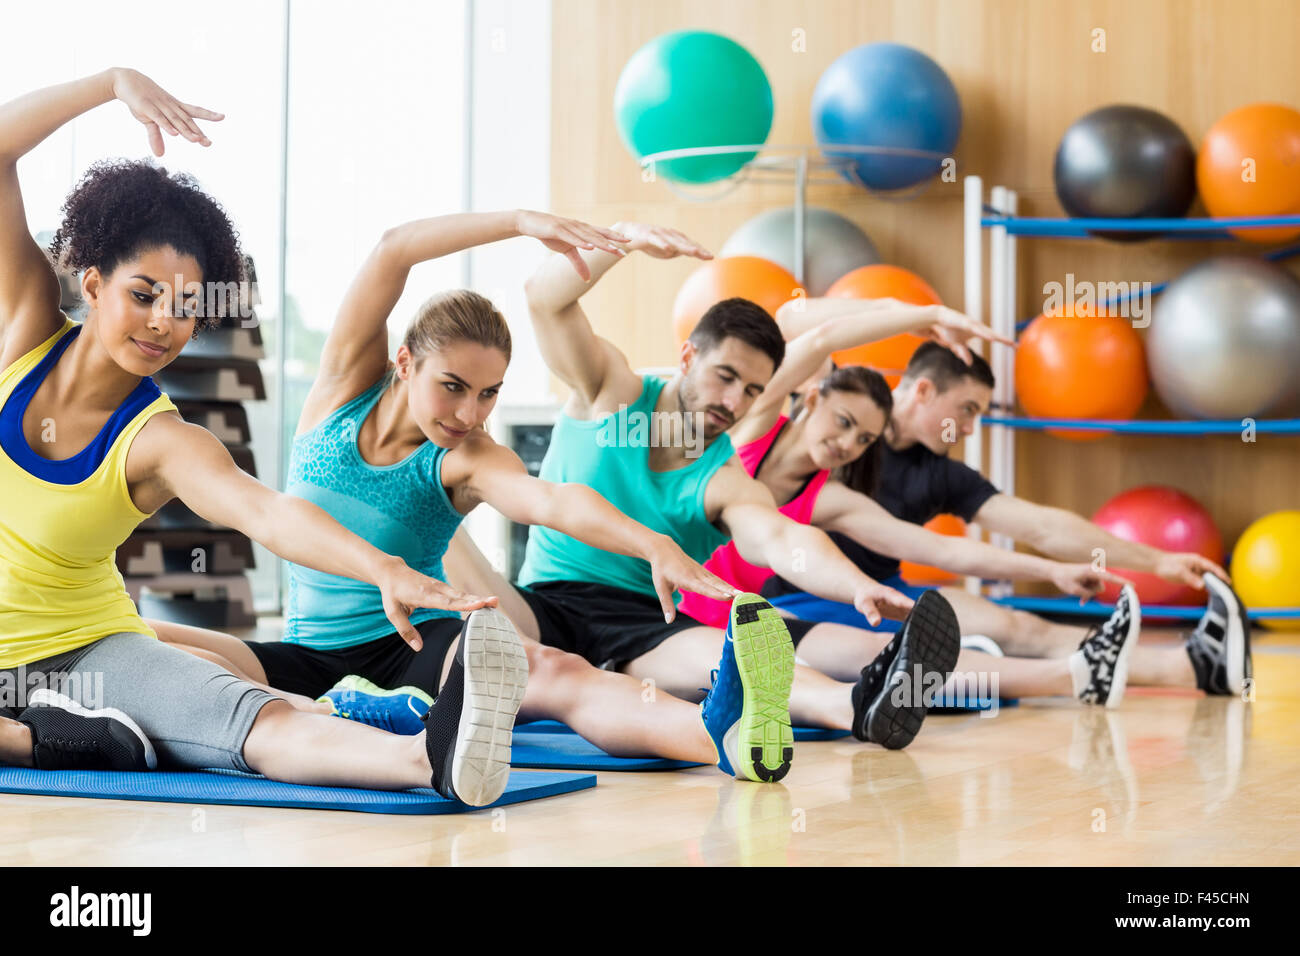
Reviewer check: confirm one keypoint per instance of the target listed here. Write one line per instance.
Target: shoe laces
(75, 750)
(367, 714)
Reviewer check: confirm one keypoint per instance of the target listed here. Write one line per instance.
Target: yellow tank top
(59, 586)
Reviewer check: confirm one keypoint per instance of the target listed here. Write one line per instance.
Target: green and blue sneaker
(747, 711)
(399, 711)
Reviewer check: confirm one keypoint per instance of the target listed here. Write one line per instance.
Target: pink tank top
(726, 562)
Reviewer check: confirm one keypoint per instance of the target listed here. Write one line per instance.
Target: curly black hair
(121, 208)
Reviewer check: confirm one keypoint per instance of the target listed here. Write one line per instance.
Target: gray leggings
(196, 713)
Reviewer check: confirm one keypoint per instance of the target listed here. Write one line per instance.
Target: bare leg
(1018, 633)
(289, 745)
(842, 652)
(682, 665)
(15, 743)
(1021, 634)
(616, 712)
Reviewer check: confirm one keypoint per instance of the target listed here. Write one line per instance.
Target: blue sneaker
(747, 711)
(396, 711)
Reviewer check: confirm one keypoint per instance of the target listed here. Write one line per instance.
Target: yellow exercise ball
(1266, 566)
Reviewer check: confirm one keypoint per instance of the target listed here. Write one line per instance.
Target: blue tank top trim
(78, 468)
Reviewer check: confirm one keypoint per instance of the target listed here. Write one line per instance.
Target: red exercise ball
(888, 356)
(1163, 518)
(1078, 363)
(748, 277)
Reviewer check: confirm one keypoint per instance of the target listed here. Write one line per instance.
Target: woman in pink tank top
(821, 464)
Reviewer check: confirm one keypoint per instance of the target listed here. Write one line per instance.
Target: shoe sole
(931, 639)
(52, 698)
(496, 675)
(765, 660)
(1119, 681)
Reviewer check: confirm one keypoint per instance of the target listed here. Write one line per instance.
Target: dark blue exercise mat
(556, 747)
(241, 789)
(553, 728)
(960, 704)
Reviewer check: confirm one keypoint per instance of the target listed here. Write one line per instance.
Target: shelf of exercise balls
(1226, 426)
(1069, 605)
(1000, 217)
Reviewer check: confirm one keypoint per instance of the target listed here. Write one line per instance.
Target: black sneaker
(1104, 652)
(469, 727)
(926, 645)
(1220, 645)
(68, 736)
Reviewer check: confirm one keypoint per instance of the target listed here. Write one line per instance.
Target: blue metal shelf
(1230, 426)
(1086, 228)
(1069, 605)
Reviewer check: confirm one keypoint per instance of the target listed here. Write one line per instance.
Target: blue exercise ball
(887, 94)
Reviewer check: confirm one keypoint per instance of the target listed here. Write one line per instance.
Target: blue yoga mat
(229, 787)
(559, 748)
(553, 730)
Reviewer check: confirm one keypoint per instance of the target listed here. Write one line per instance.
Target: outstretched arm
(800, 553)
(1067, 536)
(29, 289)
(495, 475)
(817, 328)
(356, 351)
(579, 357)
(191, 464)
(861, 518)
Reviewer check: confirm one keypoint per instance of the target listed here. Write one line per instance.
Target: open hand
(673, 569)
(954, 329)
(568, 236)
(159, 111)
(660, 241)
(404, 589)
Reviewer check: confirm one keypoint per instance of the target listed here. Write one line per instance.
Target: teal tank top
(401, 509)
(612, 455)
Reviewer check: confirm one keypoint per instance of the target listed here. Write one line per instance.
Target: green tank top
(612, 455)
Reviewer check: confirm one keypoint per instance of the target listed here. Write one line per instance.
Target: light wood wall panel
(1025, 70)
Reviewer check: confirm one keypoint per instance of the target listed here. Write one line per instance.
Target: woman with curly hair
(89, 447)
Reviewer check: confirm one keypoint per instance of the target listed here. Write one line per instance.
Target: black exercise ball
(1125, 162)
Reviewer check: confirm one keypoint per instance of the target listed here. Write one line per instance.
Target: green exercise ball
(693, 88)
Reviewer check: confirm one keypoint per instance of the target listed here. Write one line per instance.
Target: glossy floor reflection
(1167, 779)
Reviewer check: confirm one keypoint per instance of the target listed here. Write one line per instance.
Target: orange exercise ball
(888, 356)
(748, 277)
(1078, 363)
(950, 525)
(1249, 165)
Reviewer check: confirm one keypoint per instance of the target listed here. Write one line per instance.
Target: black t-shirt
(915, 485)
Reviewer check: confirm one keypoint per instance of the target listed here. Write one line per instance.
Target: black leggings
(387, 661)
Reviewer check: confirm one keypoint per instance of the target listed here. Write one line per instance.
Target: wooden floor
(1167, 779)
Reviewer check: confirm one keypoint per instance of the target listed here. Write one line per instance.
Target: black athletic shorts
(609, 626)
(387, 661)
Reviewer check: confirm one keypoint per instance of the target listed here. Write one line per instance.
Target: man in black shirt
(937, 401)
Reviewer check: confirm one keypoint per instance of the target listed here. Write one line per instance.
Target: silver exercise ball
(833, 246)
(1224, 340)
